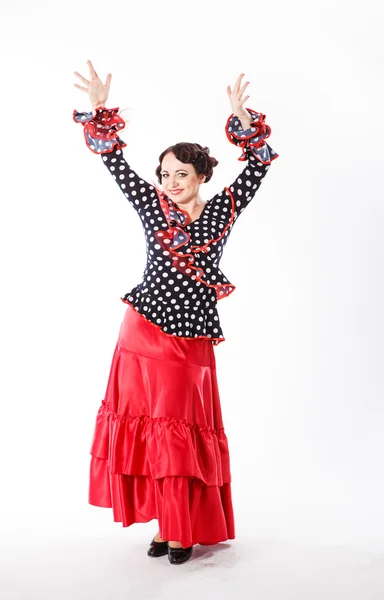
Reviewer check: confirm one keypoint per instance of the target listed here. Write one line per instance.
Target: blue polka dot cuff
(251, 139)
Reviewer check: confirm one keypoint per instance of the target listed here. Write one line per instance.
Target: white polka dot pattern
(100, 131)
(182, 282)
(252, 139)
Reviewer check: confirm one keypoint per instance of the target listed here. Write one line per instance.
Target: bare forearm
(245, 119)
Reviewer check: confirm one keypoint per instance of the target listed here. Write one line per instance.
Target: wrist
(245, 119)
(95, 106)
(244, 114)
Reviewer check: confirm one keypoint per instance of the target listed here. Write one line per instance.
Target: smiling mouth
(176, 191)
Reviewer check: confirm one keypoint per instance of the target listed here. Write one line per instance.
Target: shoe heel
(177, 556)
(157, 549)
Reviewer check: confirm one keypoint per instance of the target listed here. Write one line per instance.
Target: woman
(159, 448)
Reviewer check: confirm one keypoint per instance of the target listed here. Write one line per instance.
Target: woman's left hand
(236, 98)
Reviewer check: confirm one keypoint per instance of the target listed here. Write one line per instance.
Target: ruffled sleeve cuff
(252, 139)
(100, 131)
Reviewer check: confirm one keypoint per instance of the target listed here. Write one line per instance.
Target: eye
(166, 174)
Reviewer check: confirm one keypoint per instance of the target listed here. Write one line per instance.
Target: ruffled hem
(187, 510)
(251, 139)
(100, 131)
(159, 449)
(174, 237)
(143, 446)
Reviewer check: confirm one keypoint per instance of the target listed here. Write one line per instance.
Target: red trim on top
(93, 123)
(260, 125)
(222, 290)
(244, 141)
(233, 206)
(116, 145)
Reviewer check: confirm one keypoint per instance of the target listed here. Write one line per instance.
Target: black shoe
(157, 548)
(176, 556)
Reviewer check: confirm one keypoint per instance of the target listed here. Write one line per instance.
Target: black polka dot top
(182, 282)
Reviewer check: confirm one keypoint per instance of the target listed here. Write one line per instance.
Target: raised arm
(227, 205)
(257, 153)
(101, 129)
(245, 128)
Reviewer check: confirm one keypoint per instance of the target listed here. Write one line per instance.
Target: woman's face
(179, 180)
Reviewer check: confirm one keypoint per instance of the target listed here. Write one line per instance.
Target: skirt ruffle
(159, 449)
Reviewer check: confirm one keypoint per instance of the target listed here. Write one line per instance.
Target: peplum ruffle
(208, 321)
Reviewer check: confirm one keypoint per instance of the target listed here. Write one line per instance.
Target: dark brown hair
(193, 154)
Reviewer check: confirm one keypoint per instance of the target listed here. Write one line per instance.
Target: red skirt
(159, 450)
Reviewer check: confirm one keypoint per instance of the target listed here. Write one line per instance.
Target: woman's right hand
(98, 93)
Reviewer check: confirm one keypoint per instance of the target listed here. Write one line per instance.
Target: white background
(301, 370)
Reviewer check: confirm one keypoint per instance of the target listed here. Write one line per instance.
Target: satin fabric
(159, 449)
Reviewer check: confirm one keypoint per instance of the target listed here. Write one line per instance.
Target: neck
(193, 207)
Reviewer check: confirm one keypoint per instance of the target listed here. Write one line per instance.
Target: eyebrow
(163, 171)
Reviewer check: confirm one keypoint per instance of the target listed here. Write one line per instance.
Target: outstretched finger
(92, 70)
(108, 81)
(243, 88)
(237, 84)
(245, 99)
(80, 87)
(82, 78)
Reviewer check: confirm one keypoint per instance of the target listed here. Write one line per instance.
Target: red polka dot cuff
(100, 131)
(251, 139)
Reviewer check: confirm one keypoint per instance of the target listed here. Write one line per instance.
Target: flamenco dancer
(159, 448)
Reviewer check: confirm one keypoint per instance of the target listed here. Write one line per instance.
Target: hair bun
(194, 154)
